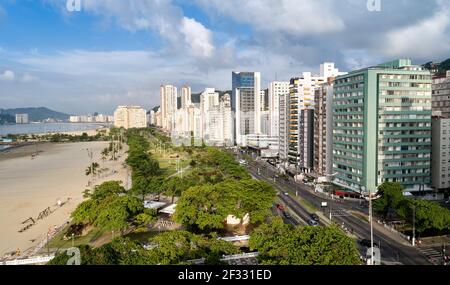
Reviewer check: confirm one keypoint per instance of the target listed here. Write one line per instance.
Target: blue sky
(119, 51)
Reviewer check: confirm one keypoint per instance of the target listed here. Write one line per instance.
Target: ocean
(41, 128)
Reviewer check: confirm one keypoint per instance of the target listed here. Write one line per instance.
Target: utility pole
(414, 226)
(363, 188)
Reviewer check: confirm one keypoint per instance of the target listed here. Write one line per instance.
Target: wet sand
(29, 186)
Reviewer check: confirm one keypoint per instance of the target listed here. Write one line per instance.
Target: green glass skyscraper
(382, 127)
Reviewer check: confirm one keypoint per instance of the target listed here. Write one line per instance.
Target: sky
(119, 52)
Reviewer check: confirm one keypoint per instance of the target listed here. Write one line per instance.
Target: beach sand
(29, 186)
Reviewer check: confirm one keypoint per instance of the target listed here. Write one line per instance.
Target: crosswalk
(432, 254)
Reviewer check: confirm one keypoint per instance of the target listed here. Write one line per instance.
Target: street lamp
(370, 198)
(331, 201)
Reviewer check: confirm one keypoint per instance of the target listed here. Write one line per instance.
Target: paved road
(391, 250)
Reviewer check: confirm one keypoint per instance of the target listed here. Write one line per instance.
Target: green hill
(438, 68)
(35, 114)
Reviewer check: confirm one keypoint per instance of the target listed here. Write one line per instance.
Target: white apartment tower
(209, 100)
(276, 89)
(186, 96)
(301, 115)
(168, 106)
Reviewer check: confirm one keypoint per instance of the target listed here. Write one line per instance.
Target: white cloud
(162, 17)
(298, 17)
(8, 75)
(28, 78)
(427, 38)
(198, 37)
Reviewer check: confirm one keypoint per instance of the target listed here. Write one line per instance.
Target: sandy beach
(30, 186)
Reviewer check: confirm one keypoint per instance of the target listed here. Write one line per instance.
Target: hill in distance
(35, 114)
(438, 68)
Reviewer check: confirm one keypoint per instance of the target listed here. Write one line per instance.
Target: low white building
(266, 146)
(129, 117)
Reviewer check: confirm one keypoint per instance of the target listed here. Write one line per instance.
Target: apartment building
(382, 127)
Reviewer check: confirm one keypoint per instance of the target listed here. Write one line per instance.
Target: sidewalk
(386, 231)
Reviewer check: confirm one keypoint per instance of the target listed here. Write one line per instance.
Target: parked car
(287, 215)
(280, 207)
(313, 223)
(314, 217)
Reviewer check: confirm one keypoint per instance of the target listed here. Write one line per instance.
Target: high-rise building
(328, 70)
(22, 119)
(152, 118)
(301, 120)
(283, 119)
(186, 96)
(168, 106)
(301, 116)
(441, 96)
(276, 89)
(129, 117)
(246, 103)
(323, 129)
(440, 153)
(209, 100)
(382, 127)
(220, 124)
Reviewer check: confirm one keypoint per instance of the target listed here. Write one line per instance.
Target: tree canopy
(428, 214)
(206, 207)
(391, 197)
(109, 207)
(282, 244)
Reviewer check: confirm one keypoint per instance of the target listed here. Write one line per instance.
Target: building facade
(246, 103)
(22, 119)
(301, 120)
(168, 95)
(129, 117)
(440, 167)
(276, 89)
(441, 97)
(186, 99)
(382, 127)
(283, 116)
(323, 129)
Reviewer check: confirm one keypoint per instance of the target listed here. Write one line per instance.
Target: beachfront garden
(208, 187)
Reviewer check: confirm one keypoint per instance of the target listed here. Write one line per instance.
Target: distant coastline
(49, 128)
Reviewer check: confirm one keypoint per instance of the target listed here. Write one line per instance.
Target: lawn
(58, 241)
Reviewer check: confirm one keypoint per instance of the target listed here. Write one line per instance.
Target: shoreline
(91, 127)
(33, 187)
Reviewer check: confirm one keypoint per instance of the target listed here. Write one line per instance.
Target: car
(366, 243)
(280, 206)
(243, 162)
(286, 193)
(287, 215)
(313, 223)
(314, 217)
